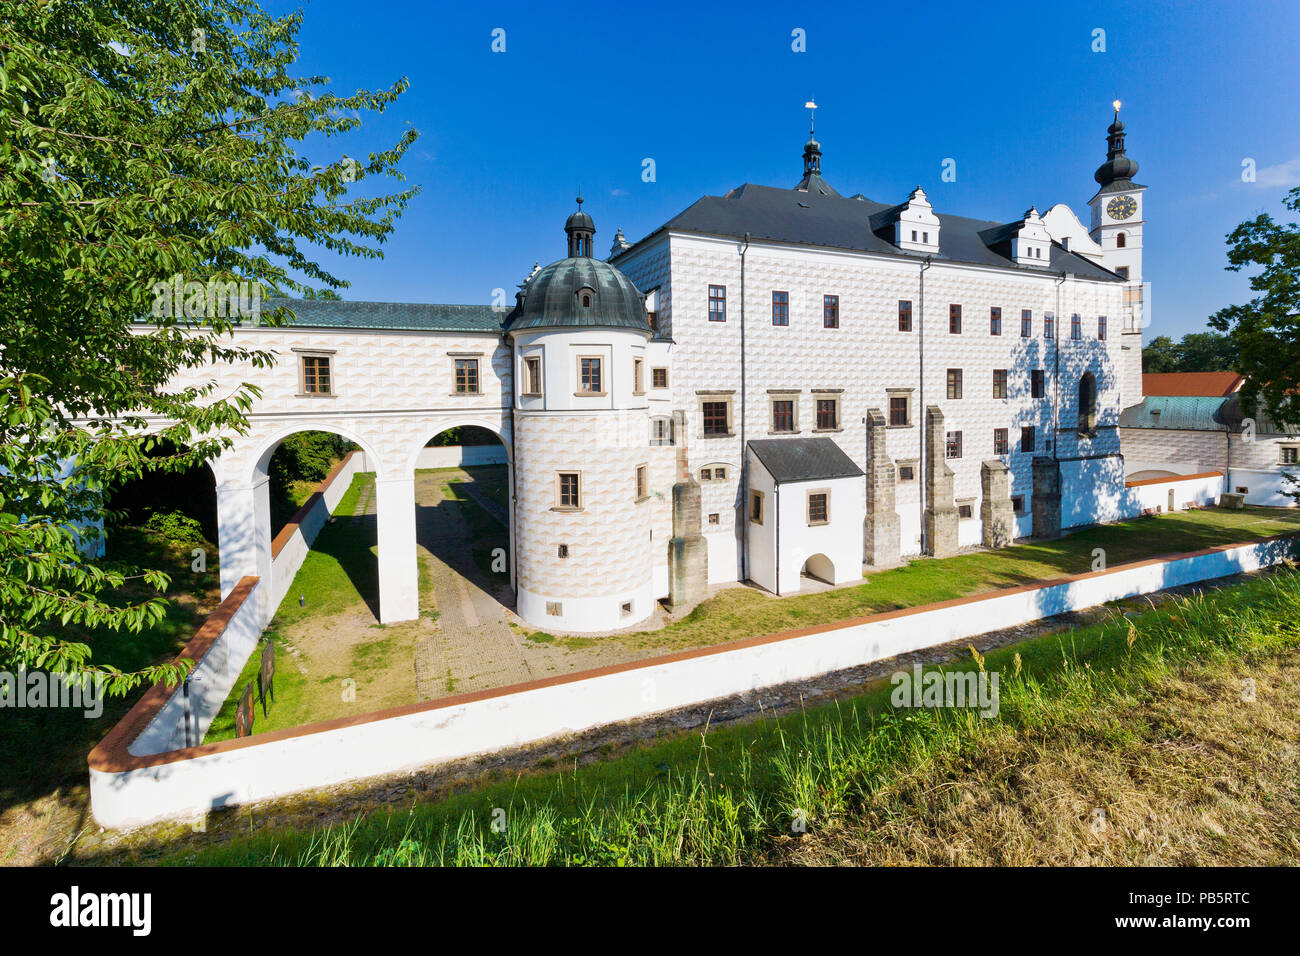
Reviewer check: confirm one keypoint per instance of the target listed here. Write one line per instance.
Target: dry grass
(1190, 776)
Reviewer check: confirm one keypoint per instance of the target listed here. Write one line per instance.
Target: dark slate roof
(550, 298)
(808, 218)
(396, 316)
(803, 459)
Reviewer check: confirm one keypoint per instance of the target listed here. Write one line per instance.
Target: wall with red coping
(130, 786)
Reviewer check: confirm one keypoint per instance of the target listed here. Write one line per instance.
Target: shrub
(174, 527)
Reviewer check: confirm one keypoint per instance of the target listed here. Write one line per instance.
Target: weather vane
(810, 106)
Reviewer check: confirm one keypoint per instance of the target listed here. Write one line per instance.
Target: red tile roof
(1213, 384)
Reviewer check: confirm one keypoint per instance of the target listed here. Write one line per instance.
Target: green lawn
(1083, 714)
(746, 612)
(338, 575)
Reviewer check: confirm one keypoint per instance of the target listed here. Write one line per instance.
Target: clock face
(1121, 207)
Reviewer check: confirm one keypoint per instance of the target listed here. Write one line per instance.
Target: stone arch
(267, 446)
(431, 432)
(499, 428)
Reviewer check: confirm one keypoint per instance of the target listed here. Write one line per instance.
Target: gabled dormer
(917, 227)
(1031, 243)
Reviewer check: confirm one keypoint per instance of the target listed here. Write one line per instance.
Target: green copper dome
(579, 292)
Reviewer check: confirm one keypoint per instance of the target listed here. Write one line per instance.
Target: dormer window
(917, 227)
(586, 297)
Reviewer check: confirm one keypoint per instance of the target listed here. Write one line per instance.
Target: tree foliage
(141, 141)
(1266, 330)
(1196, 352)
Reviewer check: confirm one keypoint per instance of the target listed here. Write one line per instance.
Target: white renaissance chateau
(775, 383)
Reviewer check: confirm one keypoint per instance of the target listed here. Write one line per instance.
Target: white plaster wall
(213, 678)
(460, 456)
(868, 355)
(431, 734)
(840, 540)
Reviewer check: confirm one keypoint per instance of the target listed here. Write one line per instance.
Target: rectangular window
(659, 377)
(1122, 272)
(316, 375)
(819, 510)
(532, 376)
(661, 431)
(1026, 323)
(1049, 325)
(1101, 327)
(1037, 389)
(1018, 504)
(715, 418)
(965, 509)
(828, 413)
(905, 315)
(907, 472)
(642, 482)
(995, 321)
(783, 415)
(780, 308)
(900, 410)
(1027, 439)
(1001, 444)
(952, 445)
(954, 320)
(954, 383)
(756, 507)
(999, 383)
(717, 303)
(1290, 455)
(831, 311)
(467, 376)
(714, 518)
(569, 496)
(589, 375)
(638, 378)
(1076, 326)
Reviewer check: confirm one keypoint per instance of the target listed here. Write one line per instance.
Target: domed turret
(579, 291)
(580, 229)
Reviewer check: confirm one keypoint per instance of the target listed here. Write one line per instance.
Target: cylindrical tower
(583, 539)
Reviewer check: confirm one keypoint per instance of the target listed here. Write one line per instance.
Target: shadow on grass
(351, 541)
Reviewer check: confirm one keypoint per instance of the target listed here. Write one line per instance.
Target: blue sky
(714, 95)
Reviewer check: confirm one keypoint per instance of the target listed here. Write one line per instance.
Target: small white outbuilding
(805, 511)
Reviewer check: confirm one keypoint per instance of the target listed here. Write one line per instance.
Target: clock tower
(1117, 221)
(1117, 217)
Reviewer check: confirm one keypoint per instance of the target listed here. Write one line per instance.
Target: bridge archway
(244, 524)
(464, 504)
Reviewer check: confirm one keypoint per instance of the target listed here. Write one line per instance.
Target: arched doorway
(463, 493)
(820, 568)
